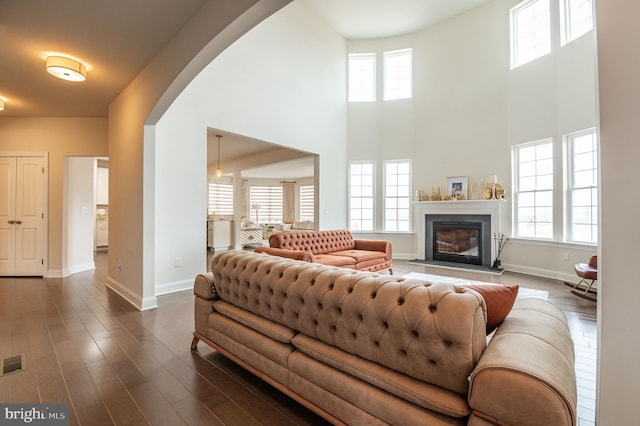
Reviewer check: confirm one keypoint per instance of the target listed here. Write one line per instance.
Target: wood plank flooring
(114, 365)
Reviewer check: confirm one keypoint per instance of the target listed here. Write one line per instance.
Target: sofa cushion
(317, 242)
(499, 300)
(340, 261)
(423, 394)
(361, 255)
(304, 256)
(268, 328)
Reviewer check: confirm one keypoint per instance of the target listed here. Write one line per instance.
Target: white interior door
(7, 208)
(22, 216)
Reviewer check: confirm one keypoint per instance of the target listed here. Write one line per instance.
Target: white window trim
(373, 164)
(349, 77)
(408, 197)
(515, 161)
(515, 61)
(391, 54)
(569, 169)
(566, 22)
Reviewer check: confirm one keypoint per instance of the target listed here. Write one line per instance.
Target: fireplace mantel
(487, 207)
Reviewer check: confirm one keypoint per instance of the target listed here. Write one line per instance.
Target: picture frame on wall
(458, 187)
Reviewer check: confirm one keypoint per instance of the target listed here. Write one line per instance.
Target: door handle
(11, 222)
(17, 222)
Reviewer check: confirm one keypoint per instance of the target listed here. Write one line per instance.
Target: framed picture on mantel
(457, 187)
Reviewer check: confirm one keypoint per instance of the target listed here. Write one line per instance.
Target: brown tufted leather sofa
(334, 247)
(363, 348)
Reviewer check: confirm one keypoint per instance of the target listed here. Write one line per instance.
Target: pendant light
(218, 169)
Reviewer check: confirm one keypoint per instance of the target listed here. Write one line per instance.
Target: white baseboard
(78, 268)
(54, 273)
(172, 287)
(539, 272)
(142, 304)
(405, 256)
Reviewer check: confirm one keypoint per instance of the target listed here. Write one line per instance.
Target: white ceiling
(367, 19)
(117, 38)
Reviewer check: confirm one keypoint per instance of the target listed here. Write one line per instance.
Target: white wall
(79, 219)
(60, 137)
(132, 118)
(618, 314)
(283, 82)
(468, 109)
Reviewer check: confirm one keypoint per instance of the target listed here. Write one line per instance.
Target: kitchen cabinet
(219, 234)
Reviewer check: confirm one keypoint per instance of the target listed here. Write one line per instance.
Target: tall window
(306, 202)
(362, 77)
(533, 183)
(397, 74)
(361, 190)
(220, 199)
(530, 31)
(269, 198)
(397, 195)
(583, 186)
(576, 18)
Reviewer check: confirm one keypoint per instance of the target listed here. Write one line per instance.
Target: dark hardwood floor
(114, 365)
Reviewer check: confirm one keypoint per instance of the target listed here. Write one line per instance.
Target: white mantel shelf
(488, 207)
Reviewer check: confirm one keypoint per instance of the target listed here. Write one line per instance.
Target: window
(533, 183)
(397, 190)
(269, 198)
(530, 31)
(362, 77)
(397, 74)
(576, 18)
(583, 187)
(220, 199)
(306, 202)
(361, 192)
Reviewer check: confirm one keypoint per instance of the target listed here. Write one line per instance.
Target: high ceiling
(368, 19)
(115, 39)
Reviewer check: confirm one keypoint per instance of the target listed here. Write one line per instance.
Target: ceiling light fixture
(218, 170)
(66, 68)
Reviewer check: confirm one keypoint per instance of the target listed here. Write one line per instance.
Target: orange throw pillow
(499, 300)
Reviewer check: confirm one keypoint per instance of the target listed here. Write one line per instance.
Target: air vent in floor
(12, 364)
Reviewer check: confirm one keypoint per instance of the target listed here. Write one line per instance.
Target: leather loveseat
(335, 248)
(364, 348)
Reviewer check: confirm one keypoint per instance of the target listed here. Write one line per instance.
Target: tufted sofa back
(432, 332)
(316, 242)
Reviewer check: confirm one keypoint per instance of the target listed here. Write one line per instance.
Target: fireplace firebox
(458, 238)
(458, 242)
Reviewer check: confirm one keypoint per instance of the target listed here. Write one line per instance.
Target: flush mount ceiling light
(218, 169)
(66, 68)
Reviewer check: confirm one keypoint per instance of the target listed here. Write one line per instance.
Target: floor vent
(12, 364)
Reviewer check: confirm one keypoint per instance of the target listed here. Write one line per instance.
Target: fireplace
(458, 238)
(474, 221)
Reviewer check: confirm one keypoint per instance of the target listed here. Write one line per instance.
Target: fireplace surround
(485, 214)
